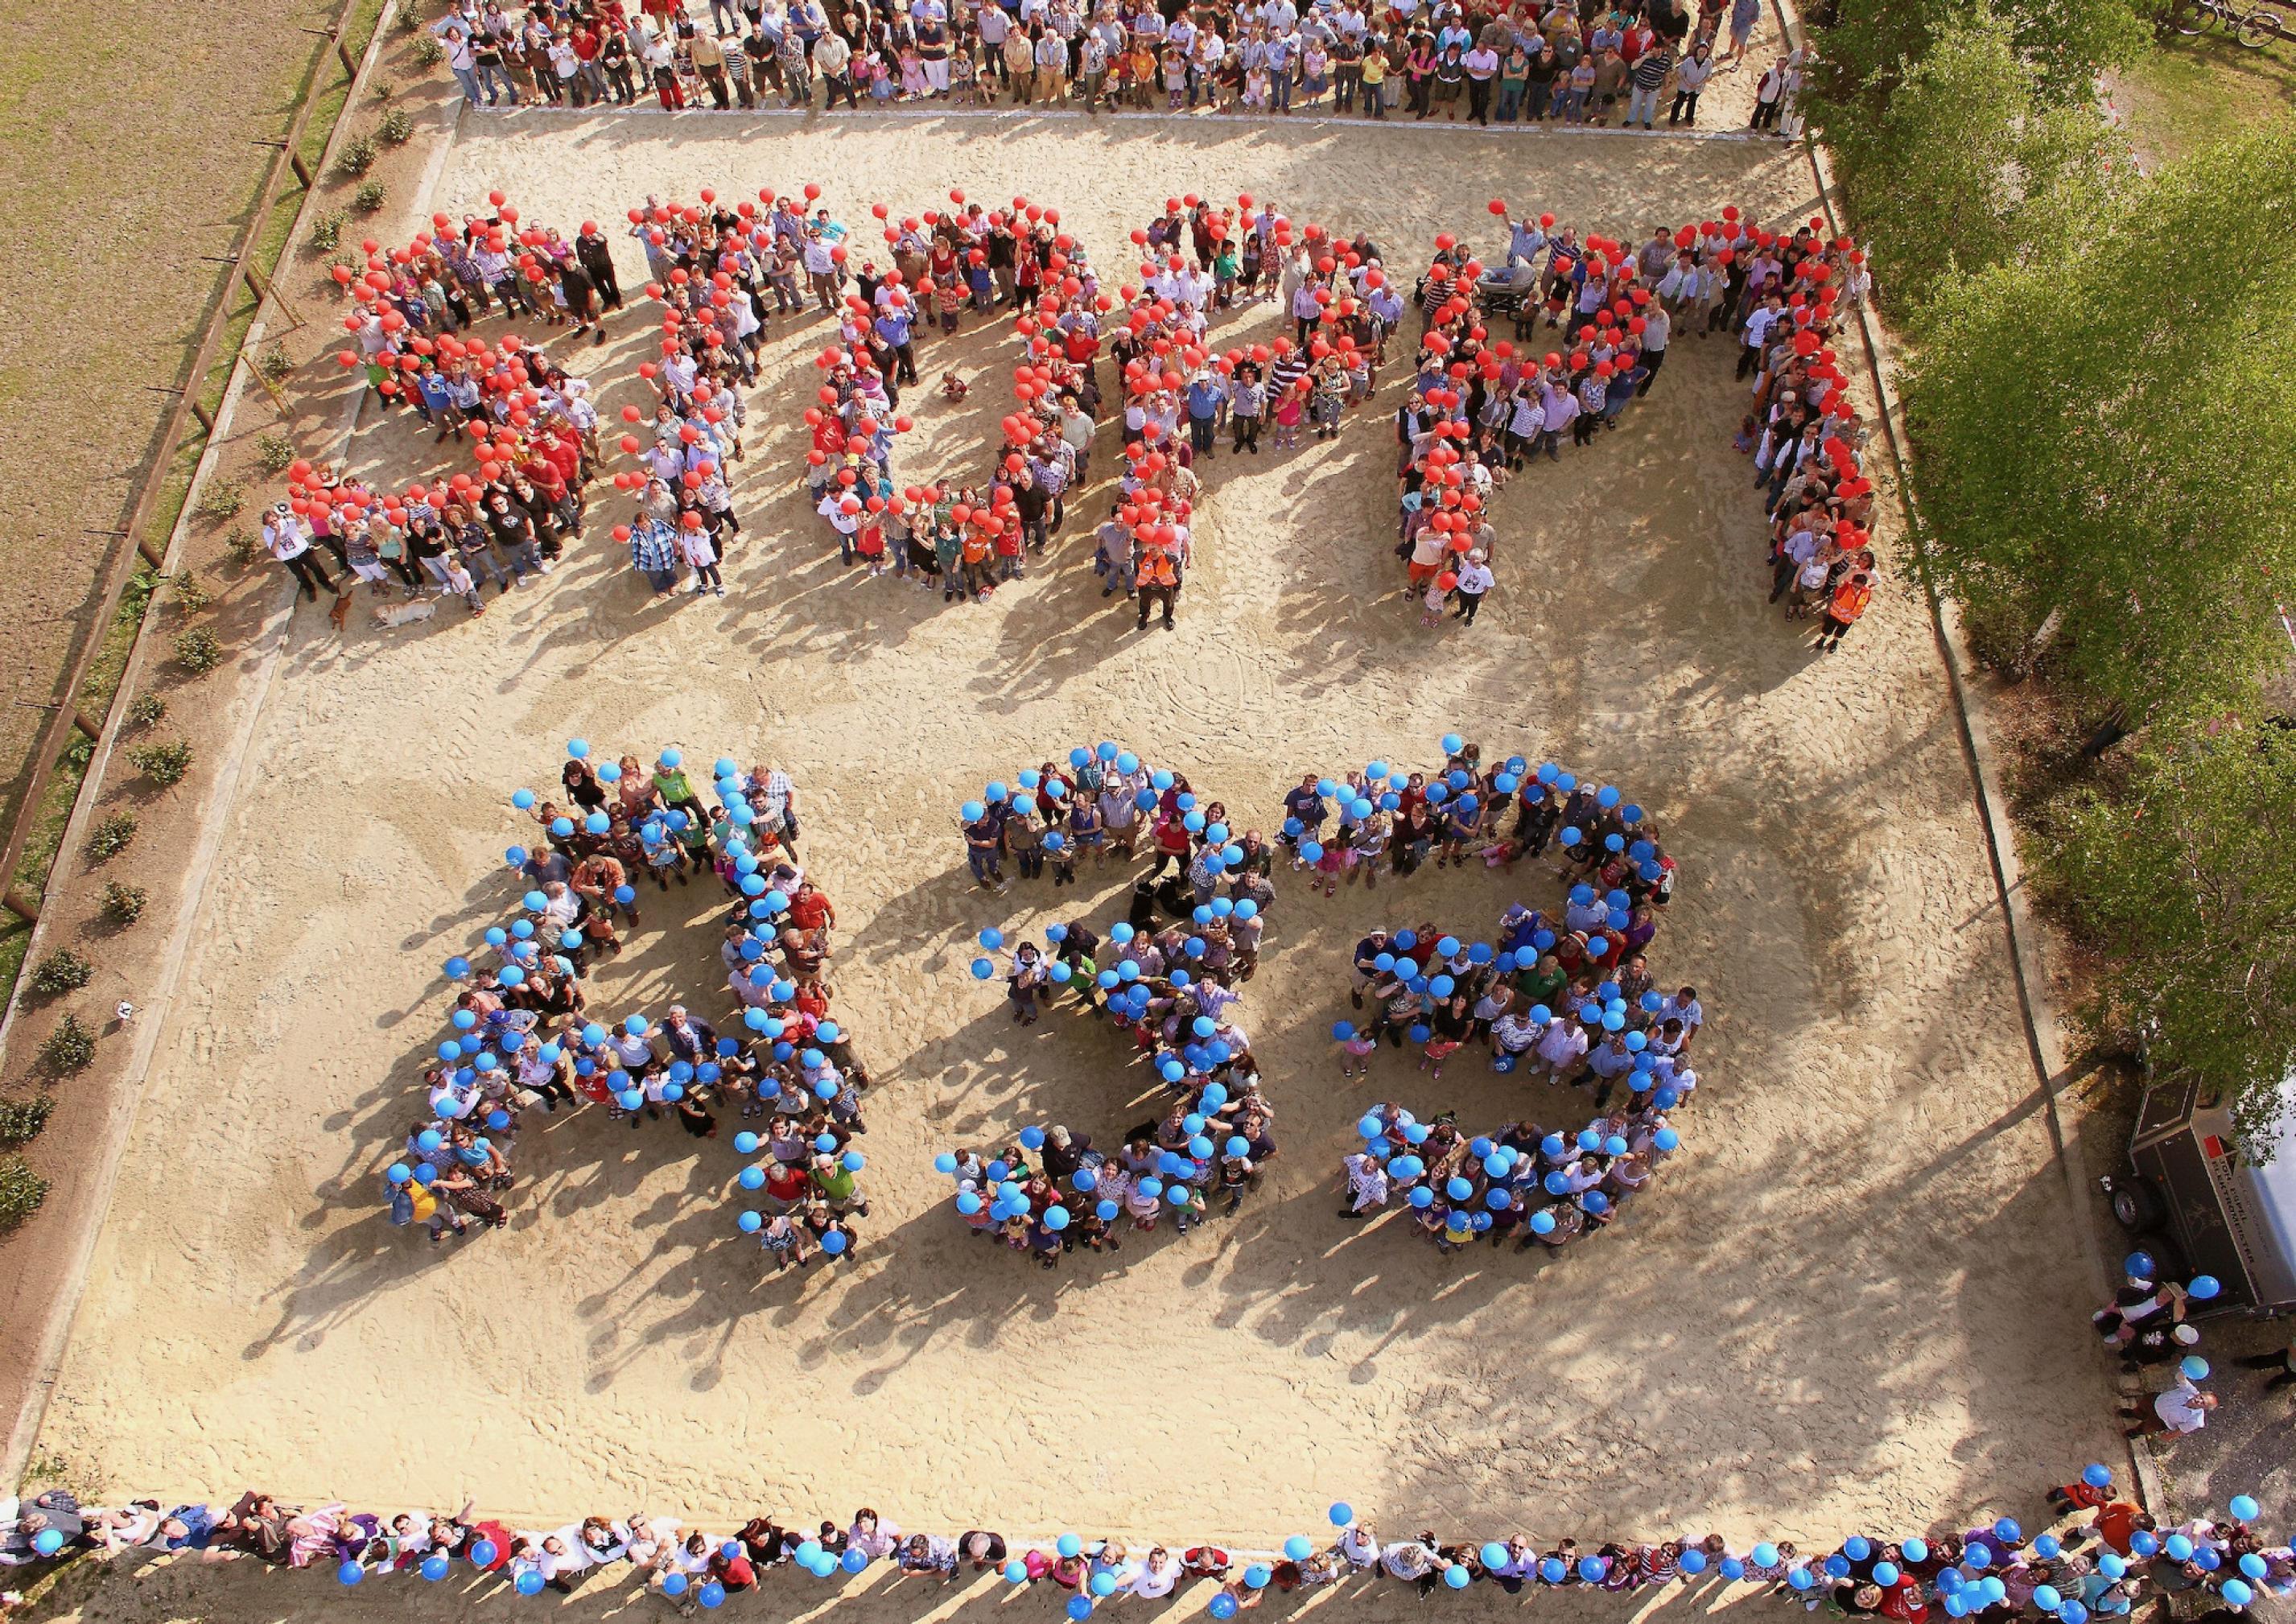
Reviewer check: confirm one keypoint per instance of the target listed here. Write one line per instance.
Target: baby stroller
(1504, 289)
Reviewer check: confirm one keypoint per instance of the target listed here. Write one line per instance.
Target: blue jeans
(661, 580)
(1569, 104)
(489, 72)
(1279, 89)
(1642, 106)
(468, 79)
(1510, 99)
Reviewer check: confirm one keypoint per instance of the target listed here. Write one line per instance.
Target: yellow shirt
(1374, 67)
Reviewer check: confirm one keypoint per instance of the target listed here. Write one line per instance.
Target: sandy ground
(1852, 1302)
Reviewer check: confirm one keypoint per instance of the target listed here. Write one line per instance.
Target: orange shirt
(1849, 601)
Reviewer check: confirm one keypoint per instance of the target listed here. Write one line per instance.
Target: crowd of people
(1573, 63)
(1168, 980)
(1803, 433)
(531, 427)
(2149, 1325)
(524, 1036)
(1481, 408)
(2095, 1555)
(1567, 997)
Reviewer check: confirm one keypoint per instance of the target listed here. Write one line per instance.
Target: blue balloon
(1457, 1576)
(1342, 1513)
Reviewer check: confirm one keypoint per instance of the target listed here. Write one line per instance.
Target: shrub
(371, 196)
(382, 89)
(191, 594)
(62, 970)
(276, 451)
(198, 650)
(70, 1047)
(110, 836)
(222, 499)
(21, 1191)
(123, 905)
(397, 126)
(357, 156)
(22, 1121)
(327, 230)
(273, 365)
(428, 52)
(240, 548)
(145, 710)
(164, 764)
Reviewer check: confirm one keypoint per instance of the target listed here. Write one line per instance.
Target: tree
(1872, 45)
(2183, 883)
(2105, 429)
(1965, 168)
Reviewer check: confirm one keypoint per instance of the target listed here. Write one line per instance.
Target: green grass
(2186, 91)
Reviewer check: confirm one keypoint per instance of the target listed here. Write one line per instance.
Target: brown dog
(340, 614)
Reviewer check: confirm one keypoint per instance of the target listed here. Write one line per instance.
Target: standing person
(1770, 97)
(1689, 78)
(2178, 1410)
(1647, 78)
(1743, 16)
(289, 538)
(1849, 601)
(1475, 582)
(1159, 583)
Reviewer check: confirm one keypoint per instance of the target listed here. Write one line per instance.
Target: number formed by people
(1559, 996)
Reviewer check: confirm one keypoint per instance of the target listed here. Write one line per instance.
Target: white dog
(404, 614)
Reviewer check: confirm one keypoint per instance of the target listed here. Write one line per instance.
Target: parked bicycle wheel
(2260, 28)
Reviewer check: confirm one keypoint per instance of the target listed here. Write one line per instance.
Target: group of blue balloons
(518, 942)
(1382, 786)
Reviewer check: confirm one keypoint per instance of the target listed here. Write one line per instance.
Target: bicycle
(2253, 30)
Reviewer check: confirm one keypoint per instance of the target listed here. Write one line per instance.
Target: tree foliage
(2183, 883)
(1872, 45)
(1967, 165)
(2107, 430)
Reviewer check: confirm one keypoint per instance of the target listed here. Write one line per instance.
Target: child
(1437, 595)
(700, 555)
(1176, 77)
(1288, 412)
(460, 585)
(1749, 434)
(1064, 857)
(1354, 1058)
